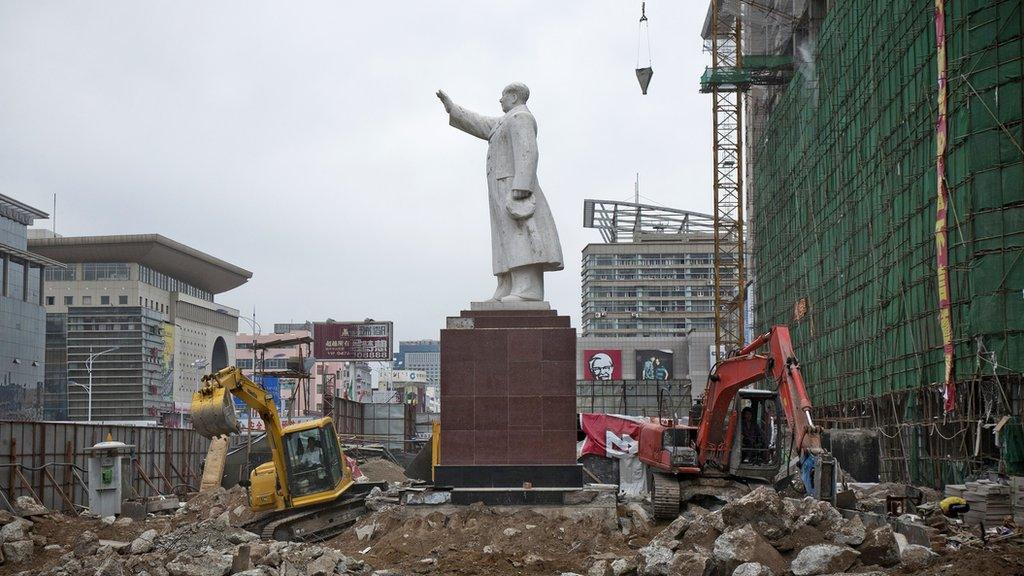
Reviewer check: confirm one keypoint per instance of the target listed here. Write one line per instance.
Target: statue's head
(513, 95)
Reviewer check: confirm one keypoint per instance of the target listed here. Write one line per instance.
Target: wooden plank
(60, 492)
(24, 482)
(69, 486)
(10, 470)
(41, 460)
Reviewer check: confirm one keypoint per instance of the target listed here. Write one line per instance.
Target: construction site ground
(599, 535)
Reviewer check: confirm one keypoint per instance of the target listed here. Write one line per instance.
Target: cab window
(309, 466)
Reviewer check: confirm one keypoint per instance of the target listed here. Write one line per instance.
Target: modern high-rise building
(136, 316)
(22, 318)
(652, 277)
(422, 355)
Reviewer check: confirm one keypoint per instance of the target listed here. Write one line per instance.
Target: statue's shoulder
(520, 112)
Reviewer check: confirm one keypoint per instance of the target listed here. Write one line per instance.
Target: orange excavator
(740, 433)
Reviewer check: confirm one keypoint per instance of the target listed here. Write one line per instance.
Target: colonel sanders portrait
(601, 366)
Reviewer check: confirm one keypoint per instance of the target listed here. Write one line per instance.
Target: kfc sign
(602, 364)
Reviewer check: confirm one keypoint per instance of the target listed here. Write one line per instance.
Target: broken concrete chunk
(762, 507)
(115, 545)
(144, 543)
(744, 545)
(110, 567)
(752, 569)
(880, 548)
(673, 531)
(86, 544)
(851, 532)
(692, 564)
(29, 506)
(14, 530)
(598, 568)
(642, 520)
(823, 559)
(210, 563)
(365, 532)
(18, 551)
(915, 557)
(623, 567)
(655, 560)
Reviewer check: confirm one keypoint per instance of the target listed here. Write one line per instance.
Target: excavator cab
(756, 423)
(312, 457)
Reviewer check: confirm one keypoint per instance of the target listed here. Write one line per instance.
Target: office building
(424, 355)
(22, 317)
(139, 310)
(652, 277)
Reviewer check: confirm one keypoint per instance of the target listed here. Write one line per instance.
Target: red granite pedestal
(508, 401)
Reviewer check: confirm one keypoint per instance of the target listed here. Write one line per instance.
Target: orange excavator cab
(740, 433)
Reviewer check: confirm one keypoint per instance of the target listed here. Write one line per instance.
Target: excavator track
(314, 524)
(665, 496)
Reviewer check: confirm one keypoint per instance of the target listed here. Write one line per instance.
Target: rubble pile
(763, 533)
(380, 469)
(759, 534)
(187, 543)
(478, 539)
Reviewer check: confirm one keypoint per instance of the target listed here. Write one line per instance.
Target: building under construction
(884, 178)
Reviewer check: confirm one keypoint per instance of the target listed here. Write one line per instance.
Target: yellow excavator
(306, 491)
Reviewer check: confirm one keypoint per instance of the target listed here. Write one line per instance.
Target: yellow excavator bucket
(213, 412)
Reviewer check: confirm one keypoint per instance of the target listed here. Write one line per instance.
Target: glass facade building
(22, 317)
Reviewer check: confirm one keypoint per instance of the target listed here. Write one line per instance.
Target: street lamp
(88, 367)
(197, 365)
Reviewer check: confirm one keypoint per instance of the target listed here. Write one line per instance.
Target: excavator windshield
(311, 457)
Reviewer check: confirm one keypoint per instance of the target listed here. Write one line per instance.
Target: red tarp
(610, 435)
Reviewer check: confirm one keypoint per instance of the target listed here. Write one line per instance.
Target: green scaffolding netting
(844, 192)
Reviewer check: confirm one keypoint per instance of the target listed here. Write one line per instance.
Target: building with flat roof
(142, 308)
(22, 318)
(652, 277)
(308, 385)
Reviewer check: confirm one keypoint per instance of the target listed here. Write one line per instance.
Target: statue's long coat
(512, 165)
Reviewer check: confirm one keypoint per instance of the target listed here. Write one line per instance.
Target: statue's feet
(504, 287)
(518, 298)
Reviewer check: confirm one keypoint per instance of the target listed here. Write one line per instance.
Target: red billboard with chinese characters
(352, 341)
(602, 364)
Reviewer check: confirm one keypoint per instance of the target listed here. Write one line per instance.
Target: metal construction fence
(670, 398)
(48, 461)
(393, 425)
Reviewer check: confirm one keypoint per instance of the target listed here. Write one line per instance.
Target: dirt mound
(478, 540)
(380, 469)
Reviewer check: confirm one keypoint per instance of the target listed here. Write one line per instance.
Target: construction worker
(954, 506)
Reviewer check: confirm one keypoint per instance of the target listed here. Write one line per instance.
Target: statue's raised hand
(445, 100)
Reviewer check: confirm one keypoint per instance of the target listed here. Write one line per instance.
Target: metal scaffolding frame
(725, 36)
(620, 221)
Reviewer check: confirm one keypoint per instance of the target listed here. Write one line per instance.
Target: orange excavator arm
(746, 367)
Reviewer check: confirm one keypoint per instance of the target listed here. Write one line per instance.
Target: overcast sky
(303, 141)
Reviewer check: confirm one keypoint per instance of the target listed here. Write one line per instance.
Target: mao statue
(524, 241)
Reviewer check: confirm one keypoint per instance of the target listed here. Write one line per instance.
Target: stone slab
(527, 305)
(512, 477)
(509, 397)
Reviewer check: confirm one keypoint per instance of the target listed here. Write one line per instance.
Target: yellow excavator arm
(213, 414)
